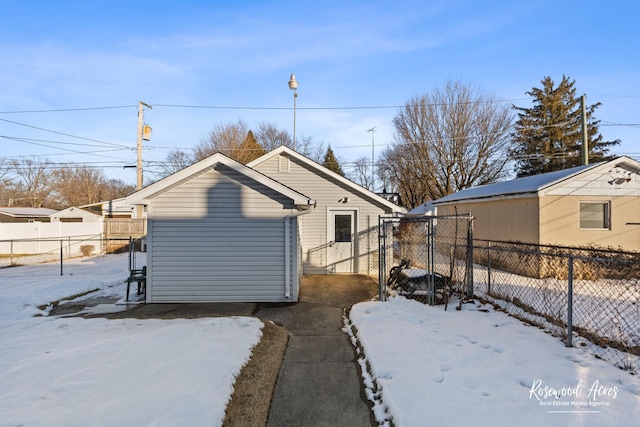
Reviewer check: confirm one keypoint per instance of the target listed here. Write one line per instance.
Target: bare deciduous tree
(270, 137)
(175, 161)
(116, 189)
(361, 173)
(77, 186)
(446, 141)
(33, 181)
(224, 138)
(308, 147)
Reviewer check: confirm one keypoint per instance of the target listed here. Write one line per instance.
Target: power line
(19, 138)
(59, 148)
(63, 134)
(62, 110)
(360, 107)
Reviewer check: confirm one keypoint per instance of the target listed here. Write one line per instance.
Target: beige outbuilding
(596, 205)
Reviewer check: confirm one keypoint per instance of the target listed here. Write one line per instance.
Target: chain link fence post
(61, 258)
(569, 342)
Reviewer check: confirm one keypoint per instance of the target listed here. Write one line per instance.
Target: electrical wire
(64, 134)
(68, 109)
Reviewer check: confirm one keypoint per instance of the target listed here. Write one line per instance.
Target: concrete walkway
(319, 382)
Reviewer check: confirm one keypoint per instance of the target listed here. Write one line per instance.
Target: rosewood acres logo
(580, 398)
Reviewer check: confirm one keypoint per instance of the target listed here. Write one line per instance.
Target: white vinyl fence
(48, 230)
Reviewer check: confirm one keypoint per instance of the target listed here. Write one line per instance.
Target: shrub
(87, 250)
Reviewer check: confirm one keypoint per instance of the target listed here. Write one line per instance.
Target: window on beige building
(595, 215)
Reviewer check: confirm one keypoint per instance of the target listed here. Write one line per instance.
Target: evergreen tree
(330, 162)
(249, 149)
(548, 136)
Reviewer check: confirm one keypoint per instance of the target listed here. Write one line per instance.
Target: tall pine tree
(548, 136)
(330, 162)
(249, 149)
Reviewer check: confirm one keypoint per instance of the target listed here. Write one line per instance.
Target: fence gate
(440, 246)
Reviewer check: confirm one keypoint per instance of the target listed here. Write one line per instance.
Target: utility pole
(141, 106)
(372, 130)
(585, 140)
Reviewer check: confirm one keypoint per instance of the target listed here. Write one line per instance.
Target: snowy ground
(430, 367)
(81, 372)
(426, 366)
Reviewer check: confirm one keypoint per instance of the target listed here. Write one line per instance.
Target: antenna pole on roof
(372, 130)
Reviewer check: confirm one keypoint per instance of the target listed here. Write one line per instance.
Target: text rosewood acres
(594, 397)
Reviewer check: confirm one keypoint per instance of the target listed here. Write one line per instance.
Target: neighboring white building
(75, 214)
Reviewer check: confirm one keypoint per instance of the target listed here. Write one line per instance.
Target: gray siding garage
(220, 231)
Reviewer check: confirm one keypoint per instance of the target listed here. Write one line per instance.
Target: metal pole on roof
(585, 141)
(372, 130)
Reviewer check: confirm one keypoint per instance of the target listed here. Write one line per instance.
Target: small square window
(595, 215)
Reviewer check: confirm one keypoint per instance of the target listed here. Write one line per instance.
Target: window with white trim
(595, 215)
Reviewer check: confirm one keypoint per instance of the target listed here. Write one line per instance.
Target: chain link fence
(588, 298)
(51, 257)
(436, 250)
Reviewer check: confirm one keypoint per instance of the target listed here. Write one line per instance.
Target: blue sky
(85, 55)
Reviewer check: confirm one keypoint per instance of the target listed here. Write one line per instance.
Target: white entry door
(341, 233)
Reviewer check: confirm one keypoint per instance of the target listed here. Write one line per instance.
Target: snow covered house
(341, 234)
(596, 204)
(221, 231)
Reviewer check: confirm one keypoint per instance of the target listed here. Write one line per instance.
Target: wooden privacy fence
(116, 229)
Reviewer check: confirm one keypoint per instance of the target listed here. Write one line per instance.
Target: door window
(343, 228)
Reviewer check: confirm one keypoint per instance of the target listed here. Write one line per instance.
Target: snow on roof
(424, 209)
(529, 184)
(27, 212)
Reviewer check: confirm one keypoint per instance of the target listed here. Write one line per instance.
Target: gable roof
(145, 194)
(529, 185)
(28, 212)
(319, 168)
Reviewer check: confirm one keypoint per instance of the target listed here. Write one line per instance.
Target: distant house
(26, 214)
(117, 208)
(597, 204)
(75, 214)
(341, 234)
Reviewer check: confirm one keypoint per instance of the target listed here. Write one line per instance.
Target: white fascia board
(145, 195)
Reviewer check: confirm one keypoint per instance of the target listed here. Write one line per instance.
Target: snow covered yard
(427, 366)
(431, 367)
(129, 372)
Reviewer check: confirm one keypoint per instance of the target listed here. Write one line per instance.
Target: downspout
(287, 252)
